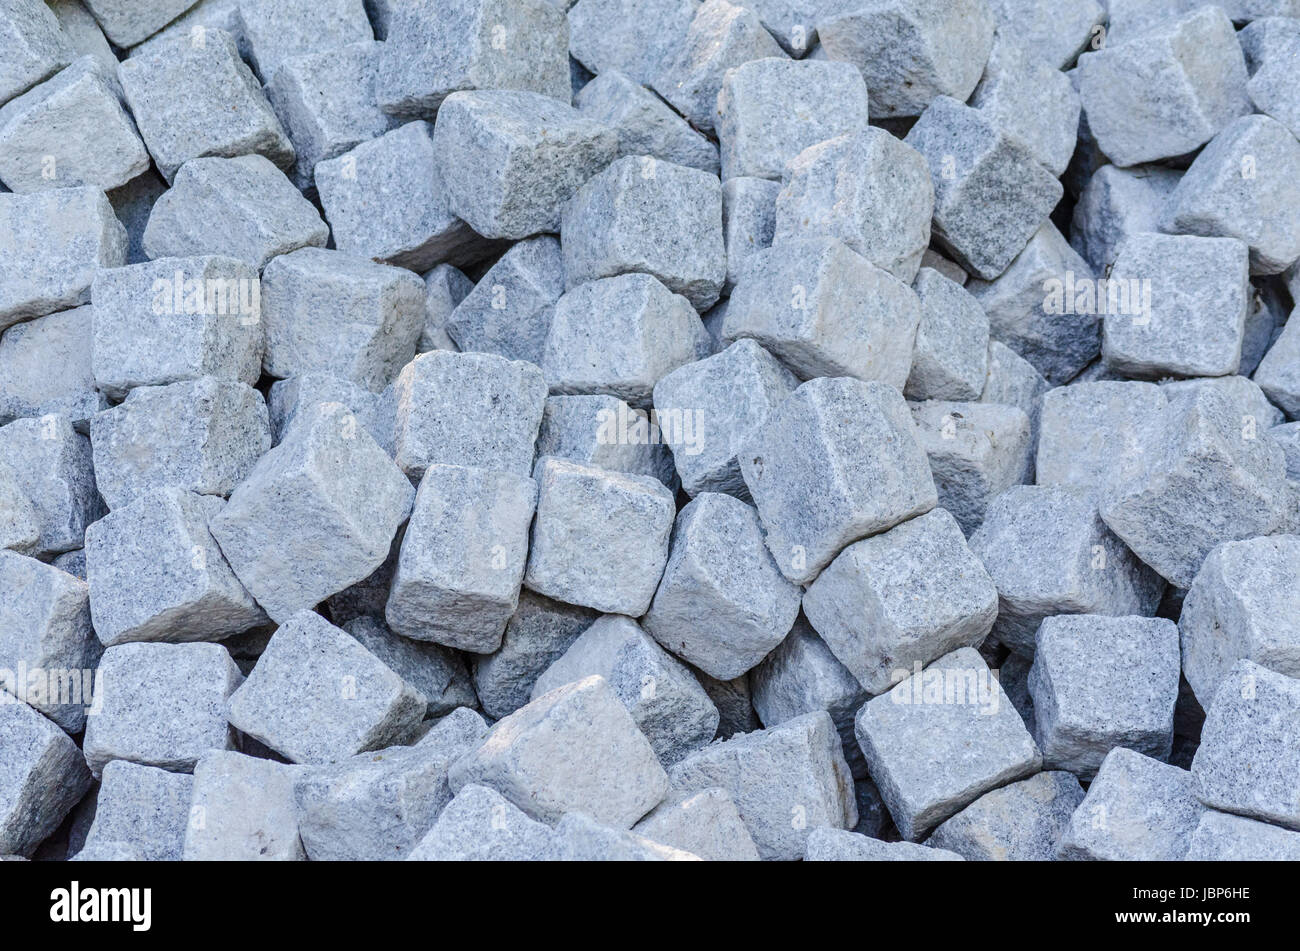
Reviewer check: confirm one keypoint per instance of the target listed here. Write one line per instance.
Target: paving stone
(950, 356)
(127, 22)
(272, 32)
(161, 705)
(35, 47)
(769, 110)
(435, 49)
(819, 486)
(481, 825)
(438, 673)
(42, 779)
(720, 400)
(48, 465)
(910, 51)
(867, 188)
(1101, 682)
(1207, 481)
(176, 319)
(508, 398)
(603, 431)
(1049, 553)
(264, 214)
(1220, 837)
(940, 739)
(971, 157)
(1096, 435)
(510, 160)
(576, 747)
(243, 810)
(1056, 31)
(417, 232)
(46, 133)
(720, 36)
(315, 514)
(1278, 374)
(325, 101)
(786, 781)
(52, 243)
(509, 311)
(203, 435)
(976, 452)
(748, 221)
(46, 634)
(1150, 98)
(1242, 393)
(1248, 762)
(194, 22)
(634, 37)
(641, 214)
(1032, 100)
(600, 539)
(649, 332)
(1039, 306)
(29, 349)
(825, 311)
(317, 696)
(145, 806)
(20, 527)
(663, 696)
(445, 288)
(644, 123)
(1014, 381)
(1117, 204)
(177, 92)
(1022, 822)
(706, 824)
(1271, 46)
(837, 845)
(306, 392)
(1137, 810)
(538, 633)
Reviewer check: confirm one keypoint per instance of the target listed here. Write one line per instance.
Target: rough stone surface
(145, 806)
(42, 777)
(706, 824)
(46, 467)
(509, 312)
(1220, 837)
(243, 811)
(645, 124)
(837, 845)
(1022, 822)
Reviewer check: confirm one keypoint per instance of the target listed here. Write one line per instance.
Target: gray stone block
(1102, 682)
(1014, 381)
(510, 160)
(176, 319)
(642, 214)
(1137, 810)
(35, 46)
(272, 32)
(665, 700)
(1248, 762)
(194, 97)
(1278, 374)
(733, 698)
(971, 157)
(1167, 91)
(509, 312)
(1054, 31)
(769, 110)
(582, 839)
(1287, 436)
(445, 288)
(70, 130)
(20, 528)
(1039, 306)
(325, 100)
(786, 781)
(1272, 46)
(204, 15)
(263, 215)
(306, 392)
(902, 598)
(48, 465)
(156, 574)
(748, 221)
(317, 696)
(431, 425)
(706, 824)
(243, 811)
(644, 123)
(1116, 204)
(837, 845)
(1244, 395)
(161, 705)
(634, 37)
(435, 49)
(825, 311)
(821, 484)
(600, 539)
(127, 22)
(976, 452)
(52, 242)
(316, 514)
(1049, 553)
(42, 777)
(145, 806)
(481, 825)
(1220, 837)
(1022, 822)
(910, 51)
(417, 232)
(575, 748)
(29, 349)
(950, 357)
(603, 431)
(203, 435)
(438, 673)
(1209, 480)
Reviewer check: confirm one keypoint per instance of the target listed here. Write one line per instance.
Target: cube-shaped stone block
(644, 123)
(42, 777)
(748, 221)
(1055, 31)
(29, 349)
(243, 811)
(1278, 374)
(272, 32)
(1221, 837)
(1116, 204)
(836, 845)
(632, 36)
(1022, 822)
(1271, 45)
(127, 22)
(605, 432)
(509, 312)
(46, 464)
(481, 825)
(445, 288)
(950, 356)
(706, 824)
(144, 806)
(438, 673)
